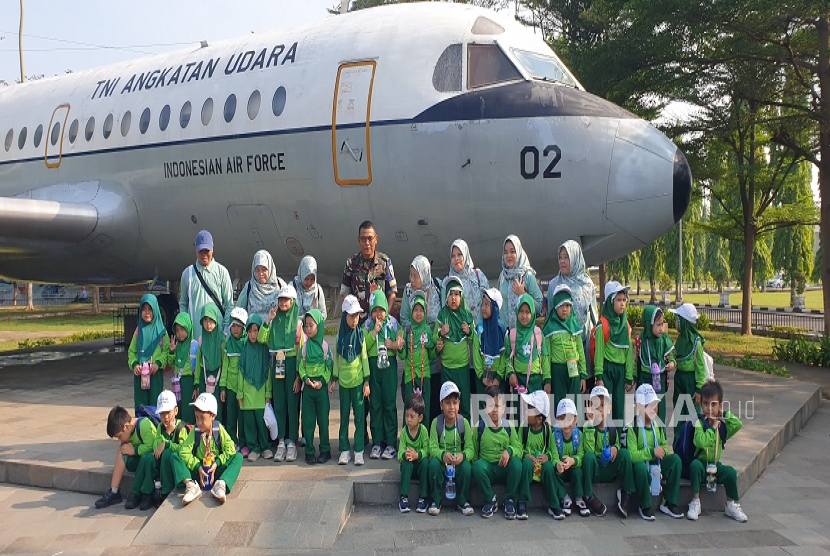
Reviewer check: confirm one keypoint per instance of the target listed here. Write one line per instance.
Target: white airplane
(434, 120)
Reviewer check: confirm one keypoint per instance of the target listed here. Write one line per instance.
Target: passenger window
(108, 126)
(144, 122)
(447, 74)
(73, 131)
(21, 140)
(253, 104)
(164, 117)
(56, 133)
(125, 123)
(38, 135)
(207, 111)
(184, 117)
(230, 108)
(278, 104)
(90, 128)
(487, 65)
(9, 139)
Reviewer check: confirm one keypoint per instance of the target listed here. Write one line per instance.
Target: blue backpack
(684, 443)
(576, 438)
(146, 412)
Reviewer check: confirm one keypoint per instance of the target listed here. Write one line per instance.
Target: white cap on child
(240, 315)
(287, 292)
(538, 400)
(494, 295)
(448, 388)
(613, 288)
(166, 402)
(351, 306)
(206, 402)
(645, 395)
(687, 311)
(566, 407)
(600, 392)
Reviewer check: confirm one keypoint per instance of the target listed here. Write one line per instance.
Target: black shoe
(108, 499)
(133, 501)
(489, 508)
(324, 457)
(509, 509)
(310, 459)
(647, 514)
(596, 506)
(671, 510)
(158, 498)
(623, 503)
(301, 443)
(521, 510)
(556, 513)
(146, 502)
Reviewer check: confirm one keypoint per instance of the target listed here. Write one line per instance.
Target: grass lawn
(759, 299)
(71, 323)
(731, 344)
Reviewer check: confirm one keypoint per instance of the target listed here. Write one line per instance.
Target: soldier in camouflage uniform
(368, 271)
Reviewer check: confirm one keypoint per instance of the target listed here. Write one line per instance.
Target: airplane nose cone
(682, 185)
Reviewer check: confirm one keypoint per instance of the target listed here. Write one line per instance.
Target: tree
(816, 276)
(793, 247)
(355, 5)
(652, 265)
(625, 268)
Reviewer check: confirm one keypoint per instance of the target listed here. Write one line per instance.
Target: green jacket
(253, 398)
(451, 441)
(495, 441)
(568, 450)
(193, 461)
(429, 354)
(537, 357)
(173, 444)
(710, 448)
(535, 444)
(159, 357)
(321, 371)
(420, 443)
(351, 374)
(146, 441)
(502, 364)
(200, 376)
(371, 340)
(556, 345)
(453, 356)
(694, 364)
(230, 371)
(264, 337)
(594, 439)
(636, 438)
(620, 356)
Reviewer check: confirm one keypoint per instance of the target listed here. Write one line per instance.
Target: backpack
(560, 440)
(482, 425)
(606, 335)
(459, 423)
(545, 433)
(684, 443)
(217, 437)
(146, 412)
(537, 339)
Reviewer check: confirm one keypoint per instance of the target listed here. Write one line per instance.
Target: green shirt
(173, 444)
(450, 441)
(636, 438)
(594, 439)
(535, 444)
(420, 358)
(708, 443)
(351, 374)
(420, 443)
(250, 397)
(320, 371)
(387, 332)
(193, 461)
(187, 370)
(230, 371)
(557, 345)
(537, 356)
(694, 364)
(494, 442)
(502, 365)
(264, 337)
(146, 441)
(614, 354)
(454, 355)
(159, 356)
(568, 450)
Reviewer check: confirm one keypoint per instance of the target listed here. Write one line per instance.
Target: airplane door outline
(48, 139)
(350, 144)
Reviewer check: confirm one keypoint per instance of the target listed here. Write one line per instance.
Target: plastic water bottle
(571, 363)
(655, 377)
(449, 491)
(654, 474)
(176, 386)
(194, 349)
(537, 469)
(207, 463)
(210, 386)
(488, 369)
(712, 477)
(157, 496)
(145, 376)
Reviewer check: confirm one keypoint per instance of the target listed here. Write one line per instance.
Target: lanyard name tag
(571, 361)
(279, 364)
(488, 367)
(383, 357)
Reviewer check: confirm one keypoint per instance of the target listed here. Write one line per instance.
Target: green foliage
(750, 363)
(793, 247)
(635, 315)
(40, 342)
(799, 349)
(29, 343)
(703, 322)
(330, 331)
(816, 276)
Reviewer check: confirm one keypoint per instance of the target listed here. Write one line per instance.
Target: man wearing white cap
(539, 454)
(613, 359)
(605, 459)
(206, 280)
(569, 451)
(209, 453)
(281, 333)
(652, 457)
(691, 366)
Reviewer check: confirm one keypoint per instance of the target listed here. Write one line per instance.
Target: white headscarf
(471, 278)
(520, 270)
(306, 298)
(583, 291)
(261, 297)
(433, 294)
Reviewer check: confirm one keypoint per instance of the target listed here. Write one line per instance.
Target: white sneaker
(358, 458)
(389, 453)
(291, 452)
(280, 455)
(267, 454)
(694, 509)
(192, 492)
(253, 456)
(733, 510)
(219, 491)
(345, 457)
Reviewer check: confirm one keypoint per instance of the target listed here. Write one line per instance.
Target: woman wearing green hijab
(453, 334)
(209, 356)
(315, 369)
(179, 360)
(613, 359)
(656, 358)
(527, 349)
(565, 359)
(691, 366)
(254, 389)
(149, 345)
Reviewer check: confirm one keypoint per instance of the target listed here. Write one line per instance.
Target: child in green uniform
(491, 360)
(453, 330)
(253, 391)
(229, 382)
(498, 457)
(565, 360)
(210, 438)
(384, 338)
(315, 372)
(528, 349)
(613, 360)
(450, 445)
(540, 456)
(209, 355)
(605, 460)
(651, 457)
(418, 351)
(136, 437)
(281, 333)
(711, 433)
(183, 365)
(148, 352)
(656, 357)
(571, 451)
(171, 435)
(691, 367)
(413, 453)
(351, 370)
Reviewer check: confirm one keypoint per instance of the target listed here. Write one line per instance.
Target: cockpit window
(545, 68)
(487, 65)
(447, 74)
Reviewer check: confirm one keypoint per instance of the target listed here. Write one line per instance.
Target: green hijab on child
(554, 324)
(525, 333)
(457, 317)
(183, 348)
(618, 324)
(254, 359)
(653, 349)
(419, 329)
(284, 326)
(378, 299)
(314, 354)
(687, 339)
(212, 341)
(150, 333)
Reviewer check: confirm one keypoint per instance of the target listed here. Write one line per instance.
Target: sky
(83, 34)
